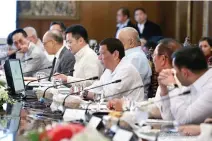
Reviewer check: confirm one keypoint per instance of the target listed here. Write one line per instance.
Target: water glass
(40, 77)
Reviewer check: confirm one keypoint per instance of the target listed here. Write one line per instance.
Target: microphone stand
(38, 70)
(116, 81)
(92, 78)
(47, 77)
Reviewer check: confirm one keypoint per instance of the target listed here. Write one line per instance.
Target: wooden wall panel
(197, 21)
(168, 18)
(99, 18)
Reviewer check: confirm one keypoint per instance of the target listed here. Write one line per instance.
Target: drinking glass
(97, 100)
(41, 75)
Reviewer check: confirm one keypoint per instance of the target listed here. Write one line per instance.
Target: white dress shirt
(194, 107)
(130, 78)
(138, 59)
(141, 28)
(86, 66)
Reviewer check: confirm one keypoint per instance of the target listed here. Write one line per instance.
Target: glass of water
(41, 76)
(57, 82)
(97, 99)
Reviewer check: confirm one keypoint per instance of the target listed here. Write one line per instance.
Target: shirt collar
(81, 52)
(132, 50)
(124, 24)
(141, 24)
(57, 55)
(202, 80)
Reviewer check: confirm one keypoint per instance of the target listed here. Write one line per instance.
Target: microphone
(116, 81)
(48, 77)
(38, 70)
(10, 54)
(166, 98)
(92, 78)
(124, 91)
(27, 60)
(156, 101)
(52, 71)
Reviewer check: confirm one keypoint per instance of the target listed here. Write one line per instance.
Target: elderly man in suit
(64, 60)
(29, 50)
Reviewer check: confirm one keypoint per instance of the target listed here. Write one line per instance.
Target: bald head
(54, 35)
(52, 41)
(129, 37)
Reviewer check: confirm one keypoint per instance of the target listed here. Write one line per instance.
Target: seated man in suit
(112, 56)
(123, 19)
(146, 28)
(29, 50)
(64, 60)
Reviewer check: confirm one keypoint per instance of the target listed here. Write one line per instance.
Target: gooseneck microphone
(141, 86)
(27, 60)
(10, 54)
(166, 98)
(48, 77)
(116, 81)
(92, 78)
(38, 70)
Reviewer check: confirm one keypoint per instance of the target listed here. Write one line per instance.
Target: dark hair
(10, 39)
(125, 11)
(77, 32)
(208, 39)
(61, 24)
(191, 58)
(114, 44)
(19, 30)
(141, 9)
(151, 44)
(167, 47)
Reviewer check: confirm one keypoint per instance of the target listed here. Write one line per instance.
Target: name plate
(94, 122)
(73, 114)
(122, 135)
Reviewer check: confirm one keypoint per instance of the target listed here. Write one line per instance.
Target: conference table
(17, 120)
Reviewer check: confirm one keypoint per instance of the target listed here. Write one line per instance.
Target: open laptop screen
(14, 75)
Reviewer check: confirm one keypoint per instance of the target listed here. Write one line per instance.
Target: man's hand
(62, 77)
(190, 130)
(115, 104)
(87, 95)
(166, 77)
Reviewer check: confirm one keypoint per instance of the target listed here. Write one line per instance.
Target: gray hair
(31, 31)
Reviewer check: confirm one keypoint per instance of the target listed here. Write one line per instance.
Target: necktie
(51, 73)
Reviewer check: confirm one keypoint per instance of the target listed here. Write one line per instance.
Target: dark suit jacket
(150, 29)
(66, 62)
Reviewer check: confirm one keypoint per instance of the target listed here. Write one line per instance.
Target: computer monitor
(14, 76)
